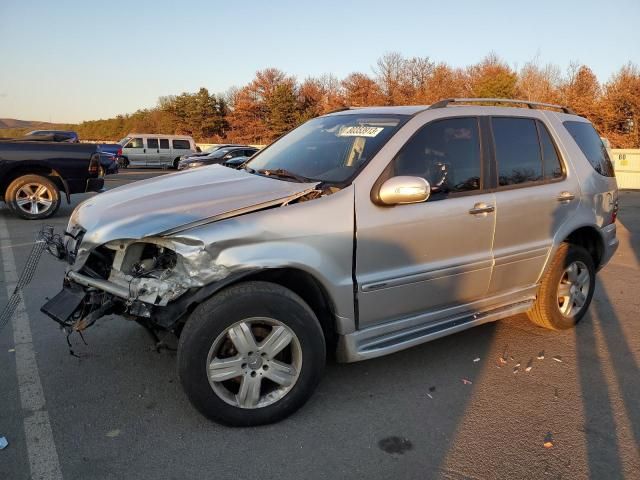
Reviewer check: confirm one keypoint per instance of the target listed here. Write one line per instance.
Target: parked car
(364, 231)
(209, 150)
(109, 162)
(154, 150)
(68, 136)
(33, 175)
(217, 157)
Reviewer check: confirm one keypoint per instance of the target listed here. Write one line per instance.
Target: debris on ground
(511, 357)
(558, 358)
(113, 433)
(476, 360)
(515, 369)
(432, 389)
(529, 366)
(548, 441)
(541, 355)
(555, 394)
(518, 364)
(11, 350)
(3, 443)
(502, 361)
(466, 381)
(430, 396)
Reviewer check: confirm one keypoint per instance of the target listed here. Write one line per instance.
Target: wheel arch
(591, 240)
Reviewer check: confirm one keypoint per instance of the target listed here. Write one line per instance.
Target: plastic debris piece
(515, 370)
(548, 441)
(541, 355)
(11, 350)
(529, 366)
(511, 357)
(466, 381)
(113, 433)
(555, 394)
(558, 358)
(475, 360)
(430, 396)
(503, 361)
(3, 443)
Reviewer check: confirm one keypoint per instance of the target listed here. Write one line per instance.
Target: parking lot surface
(560, 404)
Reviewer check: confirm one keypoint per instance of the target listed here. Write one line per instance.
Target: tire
(124, 163)
(175, 163)
(33, 197)
(216, 333)
(563, 298)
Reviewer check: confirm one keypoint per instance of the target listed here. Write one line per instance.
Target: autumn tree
(581, 91)
(621, 107)
(491, 78)
(360, 90)
(539, 84)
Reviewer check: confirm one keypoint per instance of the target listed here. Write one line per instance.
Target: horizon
(92, 66)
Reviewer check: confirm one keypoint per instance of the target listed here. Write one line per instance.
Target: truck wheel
(251, 354)
(566, 289)
(175, 163)
(33, 197)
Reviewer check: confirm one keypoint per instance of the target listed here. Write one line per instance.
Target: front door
(135, 150)
(423, 257)
(534, 198)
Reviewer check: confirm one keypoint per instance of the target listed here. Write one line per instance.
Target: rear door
(535, 195)
(135, 150)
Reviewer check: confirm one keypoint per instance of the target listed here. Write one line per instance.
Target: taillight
(119, 152)
(614, 212)
(94, 163)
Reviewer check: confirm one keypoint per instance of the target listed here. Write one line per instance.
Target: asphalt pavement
(447, 409)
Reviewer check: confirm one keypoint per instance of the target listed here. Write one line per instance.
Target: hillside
(11, 127)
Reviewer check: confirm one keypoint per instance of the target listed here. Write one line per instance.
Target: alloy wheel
(34, 198)
(254, 363)
(573, 289)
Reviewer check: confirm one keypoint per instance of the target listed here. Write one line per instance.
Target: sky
(69, 61)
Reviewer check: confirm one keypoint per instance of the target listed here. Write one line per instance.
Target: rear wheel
(566, 289)
(175, 163)
(250, 355)
(33, 197)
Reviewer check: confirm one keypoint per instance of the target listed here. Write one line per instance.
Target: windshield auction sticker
(359, 131)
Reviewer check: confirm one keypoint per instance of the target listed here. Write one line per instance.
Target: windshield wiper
(282, 173)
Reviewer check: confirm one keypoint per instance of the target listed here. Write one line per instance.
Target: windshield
(210, 149)
(329, 149)
(124, 141)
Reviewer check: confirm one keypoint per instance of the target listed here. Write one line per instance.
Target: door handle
(480, 208)
(566, 197)
(144, 150)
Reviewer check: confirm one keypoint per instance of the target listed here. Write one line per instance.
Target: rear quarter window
(181, 144)
(592, 147)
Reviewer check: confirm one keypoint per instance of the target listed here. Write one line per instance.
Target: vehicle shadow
(601, 426)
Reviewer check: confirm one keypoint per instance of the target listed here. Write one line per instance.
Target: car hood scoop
(174, 202)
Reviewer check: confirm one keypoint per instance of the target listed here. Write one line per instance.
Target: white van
(155, 150)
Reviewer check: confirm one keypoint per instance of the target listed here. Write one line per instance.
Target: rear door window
(164, 143)
(551, 166)
(446, 153)
(517, 150)
(592, 147)
(152, 143)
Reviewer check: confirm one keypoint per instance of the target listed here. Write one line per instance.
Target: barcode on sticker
(359, 131)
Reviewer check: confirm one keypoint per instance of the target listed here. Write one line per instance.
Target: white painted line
(41, 448)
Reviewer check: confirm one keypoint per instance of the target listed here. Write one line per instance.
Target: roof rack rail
(446, 102)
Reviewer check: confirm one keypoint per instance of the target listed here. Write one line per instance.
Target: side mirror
(402, 190)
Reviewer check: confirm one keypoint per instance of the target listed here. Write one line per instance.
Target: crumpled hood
(157, 205)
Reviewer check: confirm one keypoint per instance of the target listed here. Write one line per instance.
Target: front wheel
(33, 197)
(566, 289)
(251, 355)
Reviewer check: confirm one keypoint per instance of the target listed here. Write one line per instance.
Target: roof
(397, 110)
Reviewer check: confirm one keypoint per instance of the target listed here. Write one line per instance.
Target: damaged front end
(141, 279)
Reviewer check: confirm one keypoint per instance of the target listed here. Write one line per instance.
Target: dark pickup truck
(33, 175)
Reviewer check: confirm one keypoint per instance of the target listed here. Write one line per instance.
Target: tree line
(274, 102)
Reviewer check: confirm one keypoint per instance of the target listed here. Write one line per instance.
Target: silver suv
(362, 232)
